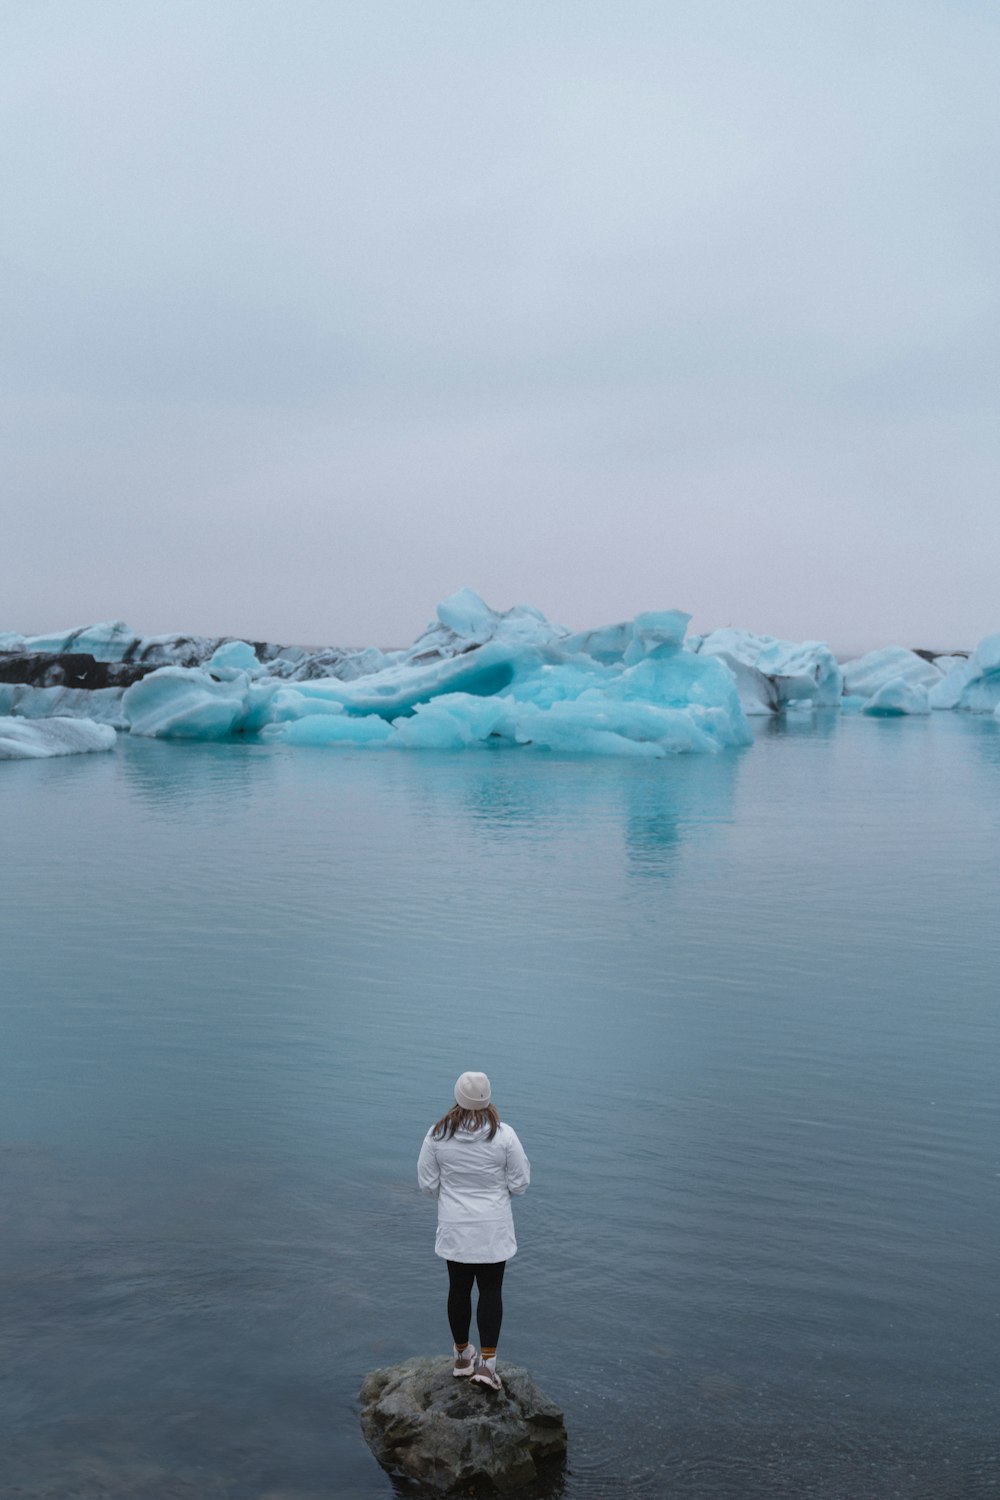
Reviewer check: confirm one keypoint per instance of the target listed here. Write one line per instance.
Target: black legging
(489, 1309)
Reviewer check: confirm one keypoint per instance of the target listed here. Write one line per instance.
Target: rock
(456, 1436)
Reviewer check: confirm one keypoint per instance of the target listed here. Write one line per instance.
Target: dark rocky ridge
(69, 669)
(79, 669)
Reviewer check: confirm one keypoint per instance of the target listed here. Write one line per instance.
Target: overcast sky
(314, 312)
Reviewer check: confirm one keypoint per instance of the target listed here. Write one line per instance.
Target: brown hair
(458, 1118)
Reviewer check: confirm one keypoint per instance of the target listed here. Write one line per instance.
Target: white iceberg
(114, 641)
(111, 641)
(978, 684)
(230, 660)
(973, 683)
(946, 693)
(772, 673)
(898, 697)
(102, 704)
(866, 674)
(34, 739)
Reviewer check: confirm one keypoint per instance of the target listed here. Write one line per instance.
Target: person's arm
(518, 1166)
(428, 1171)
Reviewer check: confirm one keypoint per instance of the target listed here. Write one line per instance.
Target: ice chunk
(27, 739)
(864, 676)
(331, 729)
(759, 694)
(227, 662)
(333, 662)
(794, 670)
(102, 704)
(630, 640)
(398, 689)
(986, 657)
(806, 670)
(948, 663)
(947, 692)
(898, 697)
(188, 703)
(467, 615)
(973, 685)
(454, 721)
(111, 641)
(116, 642)
(464, 620)
(670, 701)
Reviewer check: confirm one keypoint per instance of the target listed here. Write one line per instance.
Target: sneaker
(465, 1363)
(486, 1374)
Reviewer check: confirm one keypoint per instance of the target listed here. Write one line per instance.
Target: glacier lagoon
(741, 1008)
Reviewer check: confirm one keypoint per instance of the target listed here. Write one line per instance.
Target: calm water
(742, 1011)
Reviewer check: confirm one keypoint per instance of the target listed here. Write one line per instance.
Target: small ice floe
(864, 676)
(193, 703)
(898, 697)
(37, 739)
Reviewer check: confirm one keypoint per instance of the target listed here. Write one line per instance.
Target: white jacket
(473, 1179)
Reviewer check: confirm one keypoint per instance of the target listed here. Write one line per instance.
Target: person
(473, 1164)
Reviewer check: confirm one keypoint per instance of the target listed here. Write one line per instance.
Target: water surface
(742, 1011)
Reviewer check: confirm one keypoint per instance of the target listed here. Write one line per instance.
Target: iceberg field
(476, 677)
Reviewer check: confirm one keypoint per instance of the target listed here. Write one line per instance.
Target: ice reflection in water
(741, 1009)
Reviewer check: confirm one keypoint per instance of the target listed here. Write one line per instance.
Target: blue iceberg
(476, 677)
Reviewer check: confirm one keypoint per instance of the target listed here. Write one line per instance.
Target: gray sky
(315, 312)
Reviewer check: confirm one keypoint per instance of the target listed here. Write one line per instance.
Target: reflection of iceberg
(475, 677)
(29, 739)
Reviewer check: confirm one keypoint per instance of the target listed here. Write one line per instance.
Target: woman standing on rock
(473, 1164)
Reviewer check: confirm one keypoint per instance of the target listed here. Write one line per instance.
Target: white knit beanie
(472, 1091)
